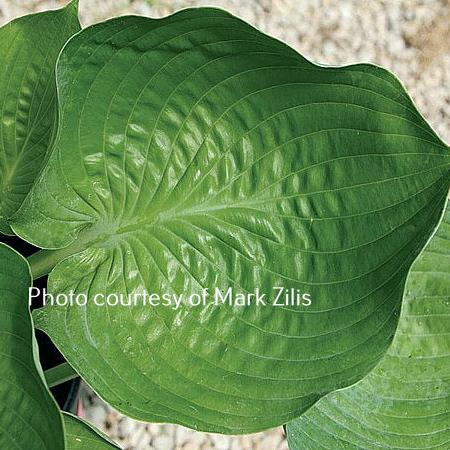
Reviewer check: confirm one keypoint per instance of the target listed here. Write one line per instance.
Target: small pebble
(162, 442)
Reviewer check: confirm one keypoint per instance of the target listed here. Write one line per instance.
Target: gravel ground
(133, 435)
(409, 37)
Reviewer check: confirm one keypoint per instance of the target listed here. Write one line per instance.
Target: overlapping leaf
(29, 417)
(194, 151)
(404, 403)
(81, 436)
(29, 47)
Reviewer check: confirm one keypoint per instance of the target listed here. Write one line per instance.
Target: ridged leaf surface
(194, 151)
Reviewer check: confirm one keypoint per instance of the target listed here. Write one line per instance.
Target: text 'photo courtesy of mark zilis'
(280, 296)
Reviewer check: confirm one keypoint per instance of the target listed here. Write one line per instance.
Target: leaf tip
(73, 4)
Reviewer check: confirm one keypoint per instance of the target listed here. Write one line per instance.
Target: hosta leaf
(195, 151)
(404, 403)
(29, 47)
(29, 417)
(82, 436)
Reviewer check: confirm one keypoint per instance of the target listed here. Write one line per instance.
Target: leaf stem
(60, 374)
(43, 261)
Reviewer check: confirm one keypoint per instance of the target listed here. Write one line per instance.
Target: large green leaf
(29, 47)
(82, 436)
(29, 417)
(405, 402)
(194, 151)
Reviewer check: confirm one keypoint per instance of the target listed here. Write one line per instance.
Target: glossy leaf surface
(29, 47)
(404, 403)
(195, 151)
(29, 417)
(82, 436)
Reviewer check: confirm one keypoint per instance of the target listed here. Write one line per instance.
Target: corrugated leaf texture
(194, 151)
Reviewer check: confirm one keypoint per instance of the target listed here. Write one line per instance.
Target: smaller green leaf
(82, 436)
(29, 417)
(29, 48)
(405, 402)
